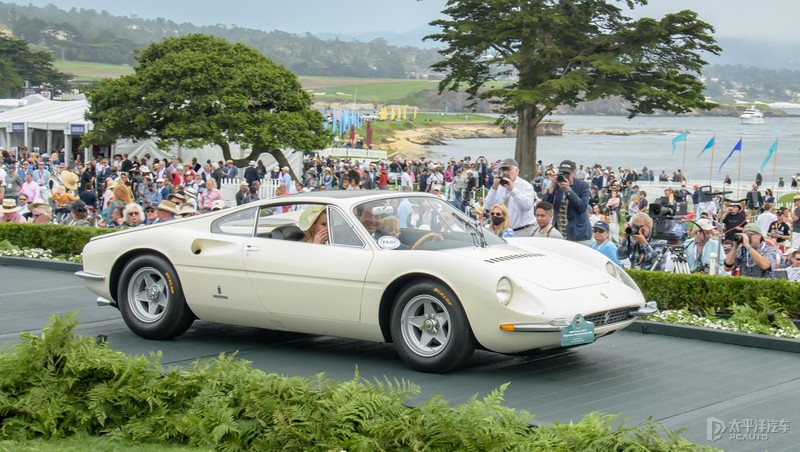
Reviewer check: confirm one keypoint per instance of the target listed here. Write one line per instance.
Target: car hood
(542, 268)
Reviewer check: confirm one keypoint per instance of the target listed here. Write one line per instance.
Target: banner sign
(17, 127)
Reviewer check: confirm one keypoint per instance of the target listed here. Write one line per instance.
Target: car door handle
(253, 248)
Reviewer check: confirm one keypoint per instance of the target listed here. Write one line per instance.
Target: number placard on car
(579, 331)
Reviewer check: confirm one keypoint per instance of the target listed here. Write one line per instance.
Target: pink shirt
(16, 218)
(208, 197)
(31, 189)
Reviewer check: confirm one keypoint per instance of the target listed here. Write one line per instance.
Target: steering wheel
(424, 238)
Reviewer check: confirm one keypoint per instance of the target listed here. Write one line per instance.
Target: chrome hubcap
(425, 325)
(148, 294)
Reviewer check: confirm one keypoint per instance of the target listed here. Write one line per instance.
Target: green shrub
(60, 239)
(706, 293)
(59, 384)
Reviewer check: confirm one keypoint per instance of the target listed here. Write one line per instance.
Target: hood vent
(512, 257)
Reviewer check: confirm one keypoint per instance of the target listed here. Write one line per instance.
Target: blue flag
(681, 137)
(709, 145)
(738, 147)
(772, 149)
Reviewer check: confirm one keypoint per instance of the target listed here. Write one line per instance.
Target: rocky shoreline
(413, 144)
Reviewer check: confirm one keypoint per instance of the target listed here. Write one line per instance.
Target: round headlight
(504, 291)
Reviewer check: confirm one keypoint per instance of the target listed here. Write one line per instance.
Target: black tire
(430, 328)
(150, 298)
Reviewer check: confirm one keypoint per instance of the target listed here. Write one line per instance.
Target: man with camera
(751, 254)
(700, 246)
(639, 246)
(734, 220)
(518, 196)
(570, 199)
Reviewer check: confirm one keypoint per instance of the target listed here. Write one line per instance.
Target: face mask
(497, 221)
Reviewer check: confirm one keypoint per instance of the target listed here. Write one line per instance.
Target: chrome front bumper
(555, 325)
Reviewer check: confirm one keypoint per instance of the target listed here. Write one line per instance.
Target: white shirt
(406, 181)
(519, 202)
(764, 220)
(435, 181)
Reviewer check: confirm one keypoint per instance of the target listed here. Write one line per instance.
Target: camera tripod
(681, 264)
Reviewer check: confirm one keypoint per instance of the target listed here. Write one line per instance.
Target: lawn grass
(373, 90)
(91, 72)
(83, 443)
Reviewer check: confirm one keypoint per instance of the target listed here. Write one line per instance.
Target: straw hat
(9, 206)
(38, 202)
(69, 179)
(169, 206)
(218, 205)
(187, 210)
(309, 216)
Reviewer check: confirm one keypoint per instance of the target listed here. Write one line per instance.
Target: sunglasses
(133, 213)
(598, 230)
(500, 215)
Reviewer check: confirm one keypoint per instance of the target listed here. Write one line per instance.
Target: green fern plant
(60, 384)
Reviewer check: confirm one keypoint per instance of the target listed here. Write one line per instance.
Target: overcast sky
(731, 18)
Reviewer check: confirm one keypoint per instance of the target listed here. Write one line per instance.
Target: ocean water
(649, 143)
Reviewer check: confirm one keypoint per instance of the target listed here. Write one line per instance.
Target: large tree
(561, 52)
(198, 89)
(19, 64)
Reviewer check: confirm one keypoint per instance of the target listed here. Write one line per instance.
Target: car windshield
(420, 222)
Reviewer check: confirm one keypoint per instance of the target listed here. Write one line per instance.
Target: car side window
(290, 222)
(343, 233)
(239, 223)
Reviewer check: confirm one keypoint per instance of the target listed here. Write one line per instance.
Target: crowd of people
(120, 192)
(583, 204)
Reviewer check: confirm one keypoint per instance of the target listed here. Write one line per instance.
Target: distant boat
(752, 116)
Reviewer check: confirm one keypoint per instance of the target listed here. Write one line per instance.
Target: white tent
(48, 125)
(44, 125)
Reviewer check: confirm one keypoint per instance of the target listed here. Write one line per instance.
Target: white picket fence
(229, 187)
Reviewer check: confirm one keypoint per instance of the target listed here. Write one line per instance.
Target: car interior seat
(288, 232)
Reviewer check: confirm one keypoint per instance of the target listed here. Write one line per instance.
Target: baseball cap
(567, 166)
(508, 163)
(601, 225)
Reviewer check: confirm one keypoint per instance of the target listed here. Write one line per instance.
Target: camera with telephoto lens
(562, 177)
(632, 229)
(503, 181)
(737, 238)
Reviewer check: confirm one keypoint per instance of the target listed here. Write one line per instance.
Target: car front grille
(610, 317)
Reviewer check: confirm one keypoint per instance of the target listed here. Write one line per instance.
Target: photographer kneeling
(753, 256)
(637, 244)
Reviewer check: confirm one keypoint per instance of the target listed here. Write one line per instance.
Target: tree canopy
(561, 52)
(198, 89)
(19, 64)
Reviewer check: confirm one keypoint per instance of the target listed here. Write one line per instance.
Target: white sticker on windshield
(389, 242)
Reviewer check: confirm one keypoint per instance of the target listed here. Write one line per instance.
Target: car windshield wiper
(477, 233)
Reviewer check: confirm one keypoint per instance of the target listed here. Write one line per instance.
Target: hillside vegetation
(99, 37)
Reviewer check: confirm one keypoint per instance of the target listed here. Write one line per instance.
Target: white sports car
(383, 266)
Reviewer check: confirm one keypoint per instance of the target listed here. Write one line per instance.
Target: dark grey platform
(680, 382)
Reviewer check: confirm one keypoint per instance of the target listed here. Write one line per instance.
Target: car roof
(349, 196)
